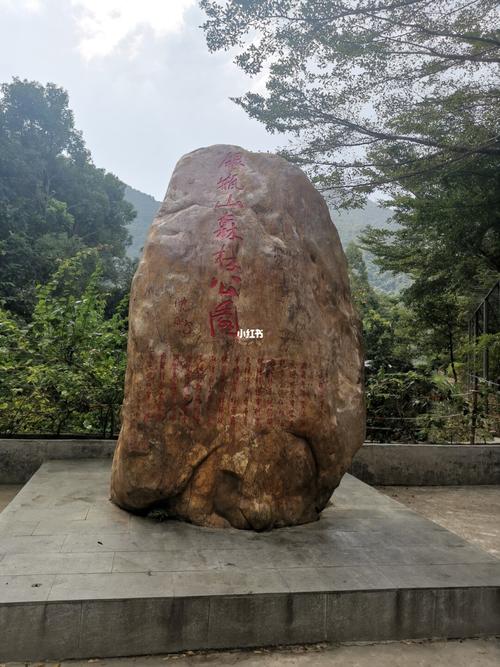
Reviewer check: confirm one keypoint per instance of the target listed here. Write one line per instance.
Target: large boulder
(244, 387)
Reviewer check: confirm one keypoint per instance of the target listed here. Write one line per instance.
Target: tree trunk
(452, 355)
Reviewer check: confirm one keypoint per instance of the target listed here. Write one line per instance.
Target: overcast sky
(143, 86)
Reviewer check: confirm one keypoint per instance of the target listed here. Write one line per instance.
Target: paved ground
(473, 512)
(7, 493)
(470, 653)
(94, 550)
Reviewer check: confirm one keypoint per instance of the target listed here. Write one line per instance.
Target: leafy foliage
(53, 200)
(412, 392)
(447, 240)
(387, 325)
(421, 406)
(368, 88)
(398, 98)
(395, 401)
(64, 371)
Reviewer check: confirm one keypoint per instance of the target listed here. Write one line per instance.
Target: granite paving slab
(369, 569)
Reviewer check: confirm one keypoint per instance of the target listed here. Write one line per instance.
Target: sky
(143, 86)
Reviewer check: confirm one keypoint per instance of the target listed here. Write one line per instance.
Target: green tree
(64, 371)
(397, 96)
(409, 398)
(369, 89)
(53, 200)
(447, 240)
(389, 340)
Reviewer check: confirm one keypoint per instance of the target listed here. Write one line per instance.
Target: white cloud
(31, 6)
(106, 24)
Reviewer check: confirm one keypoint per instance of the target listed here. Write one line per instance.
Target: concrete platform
(472, 512)
(79, 578)
(479, 652)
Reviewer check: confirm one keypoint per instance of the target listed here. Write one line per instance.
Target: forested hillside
(54, 202)
(64, 273)
(349, 224)
(146, 208)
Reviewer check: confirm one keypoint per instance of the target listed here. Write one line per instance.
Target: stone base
(79, 578)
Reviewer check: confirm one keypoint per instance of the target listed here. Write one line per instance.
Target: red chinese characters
(229, 182)
(227, 228)
(223, 317)
(182, 324)
(226, 260)
(246, 379)
(223, 384)
(232, 160)
(226, 289)
(230, 203)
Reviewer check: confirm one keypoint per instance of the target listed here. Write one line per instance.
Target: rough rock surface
(226, 430)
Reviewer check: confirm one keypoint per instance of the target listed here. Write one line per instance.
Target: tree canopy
(53, 200)
(64, 370)
(399, 98)
(373, 92)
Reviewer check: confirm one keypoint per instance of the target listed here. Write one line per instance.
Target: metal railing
(482, 368)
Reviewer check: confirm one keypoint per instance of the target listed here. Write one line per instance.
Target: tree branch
(390, 136)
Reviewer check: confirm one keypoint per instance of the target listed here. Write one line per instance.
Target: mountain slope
(146, 207)
(349, 225)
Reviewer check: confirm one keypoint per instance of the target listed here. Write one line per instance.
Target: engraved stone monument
(244, 389)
